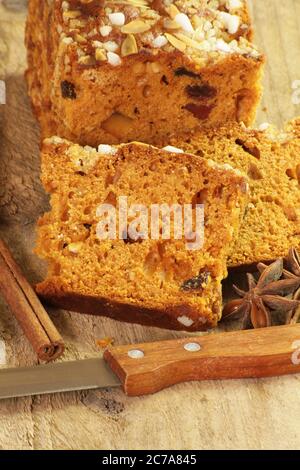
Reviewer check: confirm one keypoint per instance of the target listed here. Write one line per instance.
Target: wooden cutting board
(260, 414)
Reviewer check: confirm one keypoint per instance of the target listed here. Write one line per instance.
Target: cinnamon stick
(27, 308)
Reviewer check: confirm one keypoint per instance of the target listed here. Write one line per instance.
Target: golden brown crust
(165, 317)
(151, 93)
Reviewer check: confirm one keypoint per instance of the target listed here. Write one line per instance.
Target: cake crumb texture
(271, 159)
(148, 281)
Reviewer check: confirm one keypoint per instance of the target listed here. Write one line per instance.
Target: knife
(150, 367)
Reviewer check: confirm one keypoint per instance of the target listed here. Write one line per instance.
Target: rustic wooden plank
(250, 414)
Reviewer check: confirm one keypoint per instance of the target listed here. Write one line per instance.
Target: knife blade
(56, 377)
(150, 367)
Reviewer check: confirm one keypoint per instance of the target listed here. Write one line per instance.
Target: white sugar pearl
(186, 321)
(107, 149)
(117, 19)
(231, 22)
(159, 41)
(170, 148)
(222, 46)
(183, 20)
(234, 4)
(105, 30)
(113, 59)
(111, 46)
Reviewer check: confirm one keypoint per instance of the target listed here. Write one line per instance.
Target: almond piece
(135, 26)
(117, 125)
(129, 46)
(181, 46)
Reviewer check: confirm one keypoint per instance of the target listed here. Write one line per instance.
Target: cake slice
(168, 281)
(118, 71)
(271, 159)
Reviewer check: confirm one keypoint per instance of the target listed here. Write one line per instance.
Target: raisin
(200, 197)
(181, 71)
(68, 90)
(196, 283)
(254, 172)
(201, 91)
(111, 199)
(199, 111)
(128, 240)
(87, 226)
(164, 80)
(249, 148)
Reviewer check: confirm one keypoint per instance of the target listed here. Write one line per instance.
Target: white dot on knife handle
(192, 347)
(135, 354)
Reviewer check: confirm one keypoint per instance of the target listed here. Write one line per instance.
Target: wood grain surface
(247, 414)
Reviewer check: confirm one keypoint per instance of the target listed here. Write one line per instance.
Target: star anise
(269, 293)
(292, 272)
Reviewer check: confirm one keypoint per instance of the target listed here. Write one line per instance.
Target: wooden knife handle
(150, 367)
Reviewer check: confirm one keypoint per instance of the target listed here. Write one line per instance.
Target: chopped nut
(153, 67)
(79, 38)
(75, 247)
(135, 26)
(181, 46)
(146, 91)
(171, 24)
(86, 60)
(117, 124)
(129, 46)
(100, 54)
(71, 14)
(172, 10)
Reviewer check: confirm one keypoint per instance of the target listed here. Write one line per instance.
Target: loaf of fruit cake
(131, 276)
(271, 159)
(124, 70)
